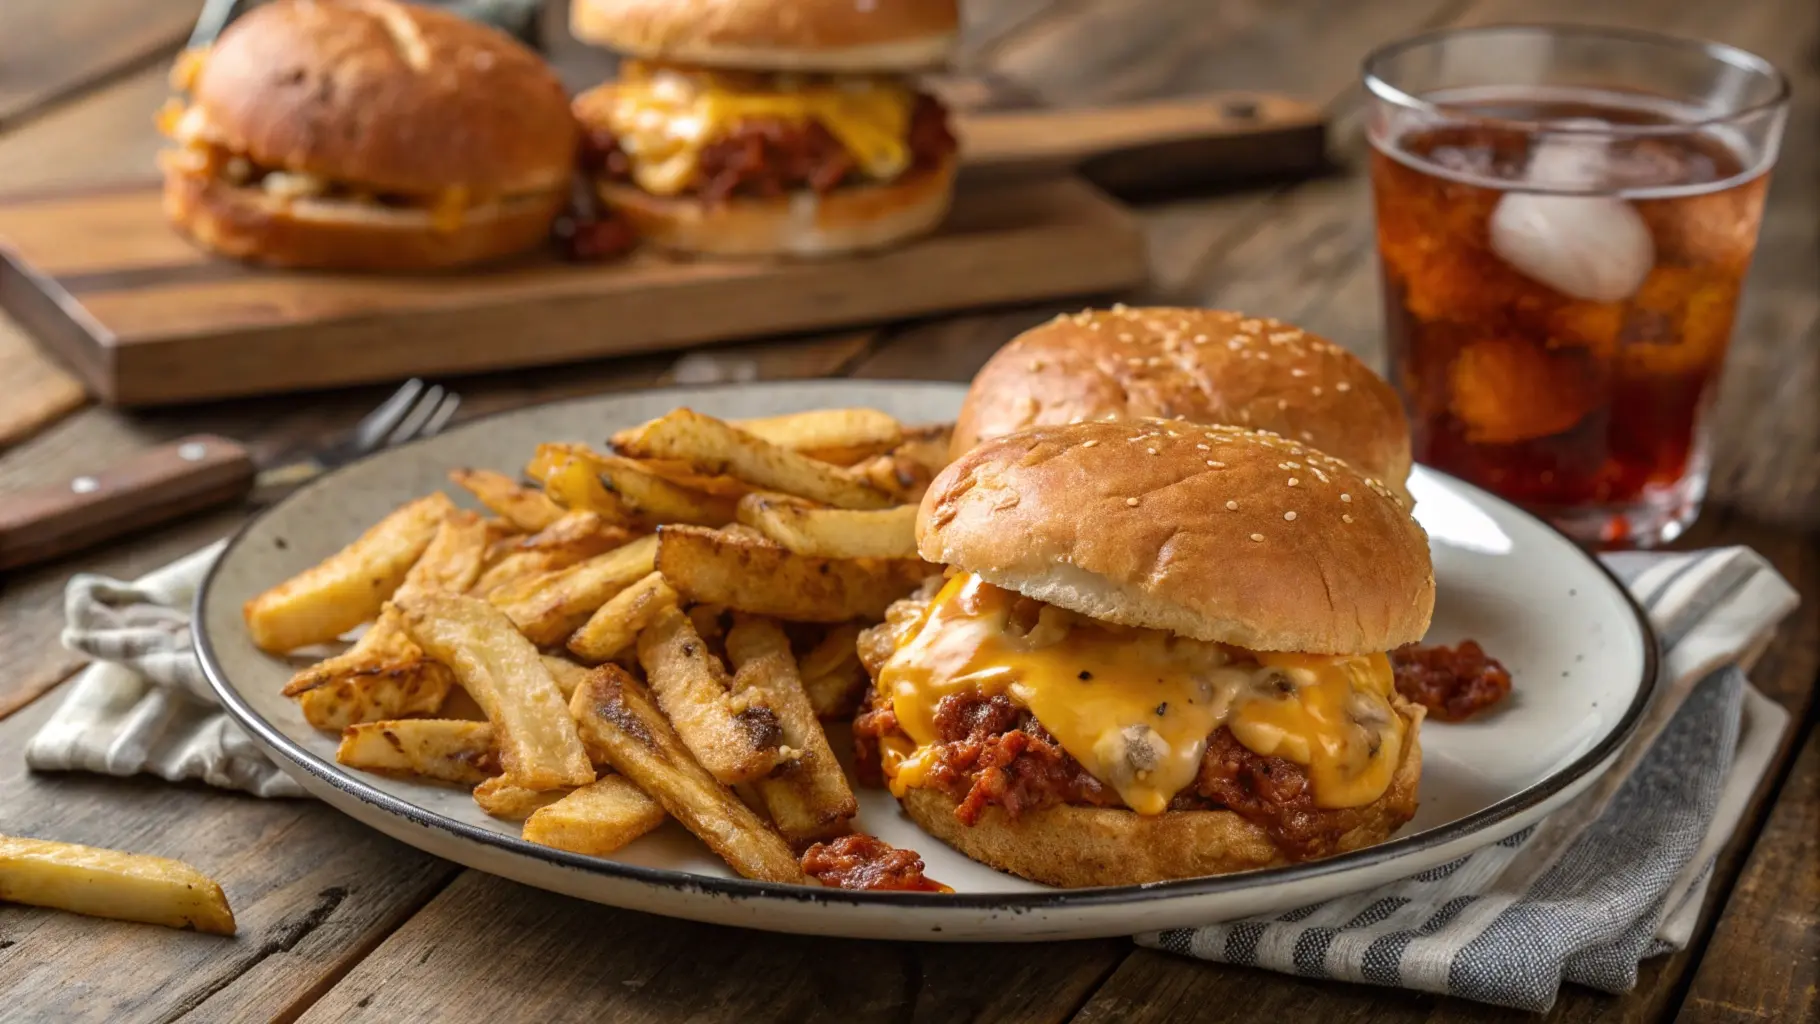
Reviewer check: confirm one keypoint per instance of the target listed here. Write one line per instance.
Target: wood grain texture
(157, 324)
(172, 481)
(106, 135)
(52, 49)
(1763, 963)
(570, 961)
(310, 890)
(38, 391)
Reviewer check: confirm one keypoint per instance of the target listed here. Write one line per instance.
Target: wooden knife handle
(1153, 145)
(157, 486)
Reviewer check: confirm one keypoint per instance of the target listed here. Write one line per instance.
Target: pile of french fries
(654, 631)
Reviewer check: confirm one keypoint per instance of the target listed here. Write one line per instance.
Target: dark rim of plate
(689, 883)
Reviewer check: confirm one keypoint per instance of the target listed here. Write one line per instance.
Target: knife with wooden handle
(156, 486)
(195, 473)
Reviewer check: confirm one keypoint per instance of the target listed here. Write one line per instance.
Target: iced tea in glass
(1565, 217)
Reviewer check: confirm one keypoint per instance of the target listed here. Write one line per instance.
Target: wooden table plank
(50, 49)
(1763, 963)
(569, 960)
(310, 889)
(103, 137)
(38, 391)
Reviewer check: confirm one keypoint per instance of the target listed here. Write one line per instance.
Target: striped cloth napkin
(1603, 883)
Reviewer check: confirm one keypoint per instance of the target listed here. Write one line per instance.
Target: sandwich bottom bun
(846, 220)
(1077, 847)
(248, 224)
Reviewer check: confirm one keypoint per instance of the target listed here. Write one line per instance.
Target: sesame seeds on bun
(1217, 533)
(1197, 365)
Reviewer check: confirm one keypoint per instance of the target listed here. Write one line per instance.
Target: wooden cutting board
(145, 319)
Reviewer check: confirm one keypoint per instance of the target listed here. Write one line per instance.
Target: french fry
(655, 499)
(807, 797)
(927, 447)
(384, 675)
(574, 536)
(509, 801)
(614, 626)
(536, 739)
(527, 509)
(621, 724)
(108, 883)
(548, 608)
(444, 749)
(453, 560)
(831, 532)
(573, 484)
(735, 739)
(328, 599)
(832, 674)
(828, 434)
(713, 446)
(718, 484)
(596, 819)
(568, 674)
(766, 579)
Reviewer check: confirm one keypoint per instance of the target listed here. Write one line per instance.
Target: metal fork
(198, 472)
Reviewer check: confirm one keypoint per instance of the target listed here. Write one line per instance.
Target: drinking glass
(1565, 217)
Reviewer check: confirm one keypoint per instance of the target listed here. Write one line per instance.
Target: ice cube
(1596, 248)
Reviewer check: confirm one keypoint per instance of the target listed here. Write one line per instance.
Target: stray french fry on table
(109, 883)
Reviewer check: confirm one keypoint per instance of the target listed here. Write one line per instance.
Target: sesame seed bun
(394, 97)
(1206, 366)
(854, 218)
(774, 35)
(1073, 846)
(1215, 533)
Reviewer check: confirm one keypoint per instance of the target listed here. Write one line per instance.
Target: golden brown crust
(1215, 533)
(850, 219)
(247, 224)
(391, 96)
(1208, 366)
(1075, 847)
(785, 35)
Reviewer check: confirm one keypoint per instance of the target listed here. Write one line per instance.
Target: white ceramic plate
(1579, 649)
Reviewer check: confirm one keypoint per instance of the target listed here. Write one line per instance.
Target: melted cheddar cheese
(1136, 706)
(664, 118)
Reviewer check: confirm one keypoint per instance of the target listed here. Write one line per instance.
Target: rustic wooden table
(339, 922)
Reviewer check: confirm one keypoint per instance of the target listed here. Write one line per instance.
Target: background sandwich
(1202, 365)
(1160, 654)
(770, 127)
(366, 136)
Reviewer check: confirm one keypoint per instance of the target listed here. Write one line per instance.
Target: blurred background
(80, 80)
